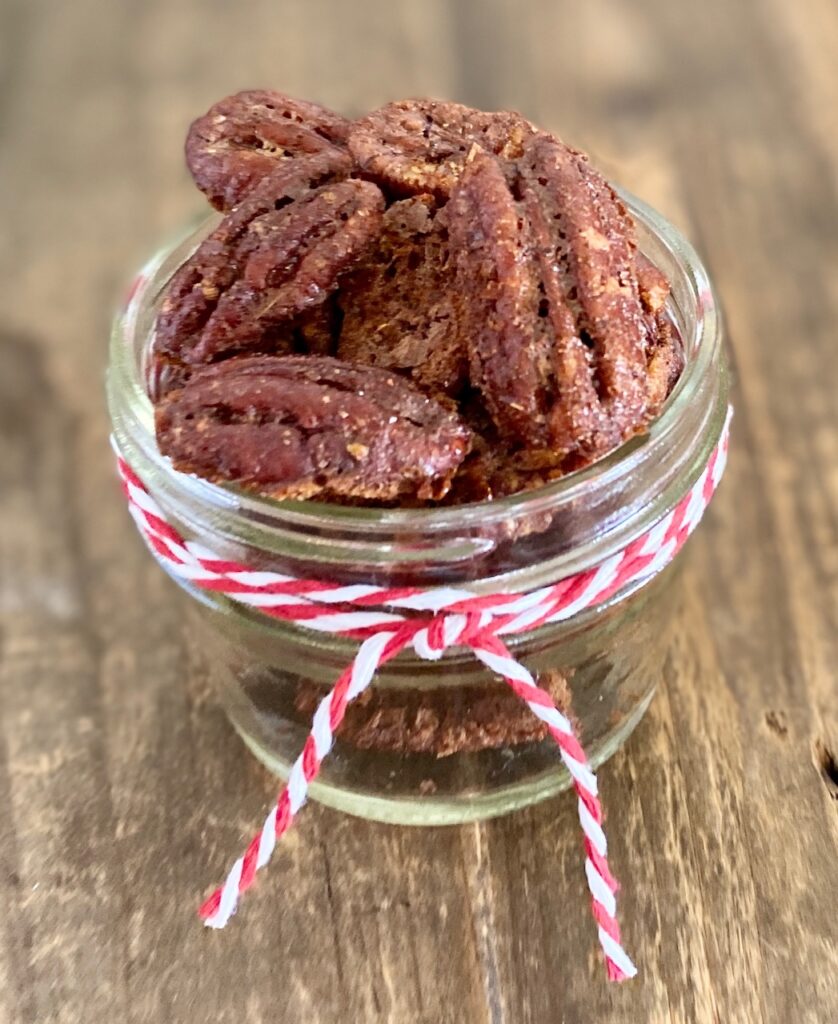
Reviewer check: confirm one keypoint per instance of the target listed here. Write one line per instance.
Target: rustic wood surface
(123, 791)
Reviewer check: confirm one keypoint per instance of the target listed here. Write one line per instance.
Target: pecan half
(664, 361)
(664, 351)
(415, 146)
(497, 299)
(265, 265)
(243, 138)
(313, 331)
(651, 283)
(300, 426)
(398, 304)
(549, 300)
(585, 248)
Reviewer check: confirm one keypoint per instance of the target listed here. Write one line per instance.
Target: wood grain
(121, 785)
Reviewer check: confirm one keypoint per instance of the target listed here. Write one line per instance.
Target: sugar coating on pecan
(264, 266)
(415, 146)
(305, 426)
(398, 304)
(245, 137)
(548, 291)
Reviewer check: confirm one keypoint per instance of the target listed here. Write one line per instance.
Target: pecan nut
(415, 146)
(549, 296)
(245, 137)
(475, 257)
(264, 266)
(664, 361)
(651, 283)
(300, 426)
(313, 331)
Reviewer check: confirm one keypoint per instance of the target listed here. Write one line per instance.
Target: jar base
(448, 810)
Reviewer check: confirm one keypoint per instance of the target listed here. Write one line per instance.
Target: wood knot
(827, 766)
(777, 722)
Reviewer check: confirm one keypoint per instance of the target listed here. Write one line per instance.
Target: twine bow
(448, 618)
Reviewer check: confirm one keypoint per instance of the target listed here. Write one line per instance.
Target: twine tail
(602, 885)
(217, 910)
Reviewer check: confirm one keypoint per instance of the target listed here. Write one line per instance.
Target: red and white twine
(453, 618)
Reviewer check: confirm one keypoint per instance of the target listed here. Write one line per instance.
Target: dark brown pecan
(494, 472)
(398, 304)
(300, 426)
(415, 146)
(164, 374)
(664, 351)
(586, 251)
(245, 137)
(495, 468)
(549, 299)
(194, 291)
(664, 361)
(264, 266)
(313, 331)
(497, 298)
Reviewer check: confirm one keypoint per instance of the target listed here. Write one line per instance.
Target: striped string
(454, 618)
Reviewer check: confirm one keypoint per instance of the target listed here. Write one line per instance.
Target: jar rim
(701, 342)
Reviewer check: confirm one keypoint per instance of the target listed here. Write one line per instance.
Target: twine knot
(445, 631)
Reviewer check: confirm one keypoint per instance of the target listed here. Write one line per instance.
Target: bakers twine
(452, 618)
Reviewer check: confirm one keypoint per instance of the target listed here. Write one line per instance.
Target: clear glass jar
(603, 664)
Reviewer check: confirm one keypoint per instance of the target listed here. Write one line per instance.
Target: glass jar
(446, 741)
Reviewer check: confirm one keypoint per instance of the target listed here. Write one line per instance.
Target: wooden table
(123, 791)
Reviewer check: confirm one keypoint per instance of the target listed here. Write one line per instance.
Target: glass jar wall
(444, 741)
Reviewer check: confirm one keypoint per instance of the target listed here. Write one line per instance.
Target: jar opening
(576, 517)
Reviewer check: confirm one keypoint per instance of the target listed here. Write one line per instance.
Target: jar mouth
(698, 325)
(513, 542)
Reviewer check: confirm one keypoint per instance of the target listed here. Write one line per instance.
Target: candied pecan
(493, 470)
(664, 352)
(313, 331)
(548, 293)
(245, 137)
(163, 374)
(440, 721)
(651, 283)
(194, 290)
(496, 469)
(416, 146)
(398, 304)
(497, 293)
(299, 426)
(664, 361)
(263, 266)
(586, 251)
